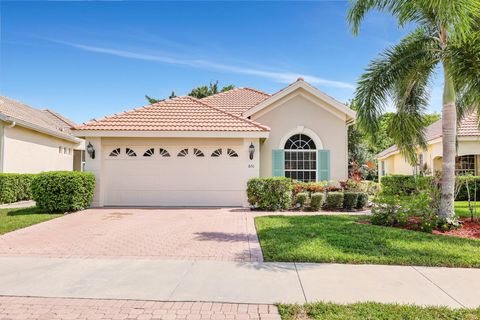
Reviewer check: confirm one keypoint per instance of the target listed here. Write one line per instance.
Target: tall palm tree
(446, 37)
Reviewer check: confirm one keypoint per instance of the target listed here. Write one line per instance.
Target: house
(390, 161)
(190, 152)
(33, 140)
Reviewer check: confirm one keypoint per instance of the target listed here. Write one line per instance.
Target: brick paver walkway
(74, 309)
(193, 234)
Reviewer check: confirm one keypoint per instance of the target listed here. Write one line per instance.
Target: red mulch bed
(469, 229)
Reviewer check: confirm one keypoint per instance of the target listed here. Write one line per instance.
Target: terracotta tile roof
(177, 114)
(468, 127)
(46, 119)
(237, 100)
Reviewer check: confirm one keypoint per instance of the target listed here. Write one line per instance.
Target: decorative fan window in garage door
(232, 153)
(164, 153)
(130, 152)
(115, 152)
(150, 152)
(198, 152)
(183, 153)
(217, 153)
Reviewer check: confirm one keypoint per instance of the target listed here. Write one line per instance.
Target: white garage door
(168, 176)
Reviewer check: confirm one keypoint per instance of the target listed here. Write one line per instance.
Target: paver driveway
(193, 234)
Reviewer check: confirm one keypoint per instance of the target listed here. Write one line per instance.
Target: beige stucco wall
(302, 111)
(28, 151)
(176, 176)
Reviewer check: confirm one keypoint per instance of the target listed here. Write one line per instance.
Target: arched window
(115, 152)
(300, 142)
(301, 158)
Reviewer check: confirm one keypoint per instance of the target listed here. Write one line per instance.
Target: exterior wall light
(90, 150)
(251, 150)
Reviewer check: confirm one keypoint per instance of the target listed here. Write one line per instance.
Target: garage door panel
(175, 181)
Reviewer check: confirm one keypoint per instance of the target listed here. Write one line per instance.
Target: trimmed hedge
(270, 193)
(301, 199)
(404, 185)
(334, 200)
(63, 191)
(316, 201)
(15, 187)
(362, 200)
(350, 200)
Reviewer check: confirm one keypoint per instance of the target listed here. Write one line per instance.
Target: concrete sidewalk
(234, 282)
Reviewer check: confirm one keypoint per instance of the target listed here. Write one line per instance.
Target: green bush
(362, 200)
(316, 201)
(15, 187)
(473, 187)
(388, 211)
(270, 193)
(372, 188)
(350, 200)
(63, 191)
(404, 185)
(301, 199)
(334, 200)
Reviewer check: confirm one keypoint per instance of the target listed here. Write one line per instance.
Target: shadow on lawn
(341, 239)
(24, 211)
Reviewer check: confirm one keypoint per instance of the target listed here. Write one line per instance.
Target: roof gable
(300, 84)
(177, 114)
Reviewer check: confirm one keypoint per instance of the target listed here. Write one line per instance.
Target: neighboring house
(33, 140)
(190, 152)
(390, 161)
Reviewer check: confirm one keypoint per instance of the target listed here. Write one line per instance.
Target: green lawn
(341, 239)
(13, 219)
(461, 209)
(377, 311)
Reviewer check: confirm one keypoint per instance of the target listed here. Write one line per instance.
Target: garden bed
(469, 229)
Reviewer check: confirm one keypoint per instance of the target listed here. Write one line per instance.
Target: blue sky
(90, 59)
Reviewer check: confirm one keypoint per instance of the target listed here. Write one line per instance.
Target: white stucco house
(201, 152)
(33, 140)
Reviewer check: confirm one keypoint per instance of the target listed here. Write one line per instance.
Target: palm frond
(403, 67)
(463, 59)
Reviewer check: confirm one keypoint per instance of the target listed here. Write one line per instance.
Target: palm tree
(447, 37)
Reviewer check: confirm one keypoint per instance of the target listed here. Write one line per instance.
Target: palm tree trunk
(449, 134)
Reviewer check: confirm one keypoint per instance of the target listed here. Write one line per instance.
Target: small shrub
(301, 199)
(316, 201)
(372, 188)
(362, 200)
(334, 200)
(63, 191)
(15, 187)
(270, 193)
(350, 200)
(387, 211)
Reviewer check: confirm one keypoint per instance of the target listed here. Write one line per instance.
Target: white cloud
(283, 77)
